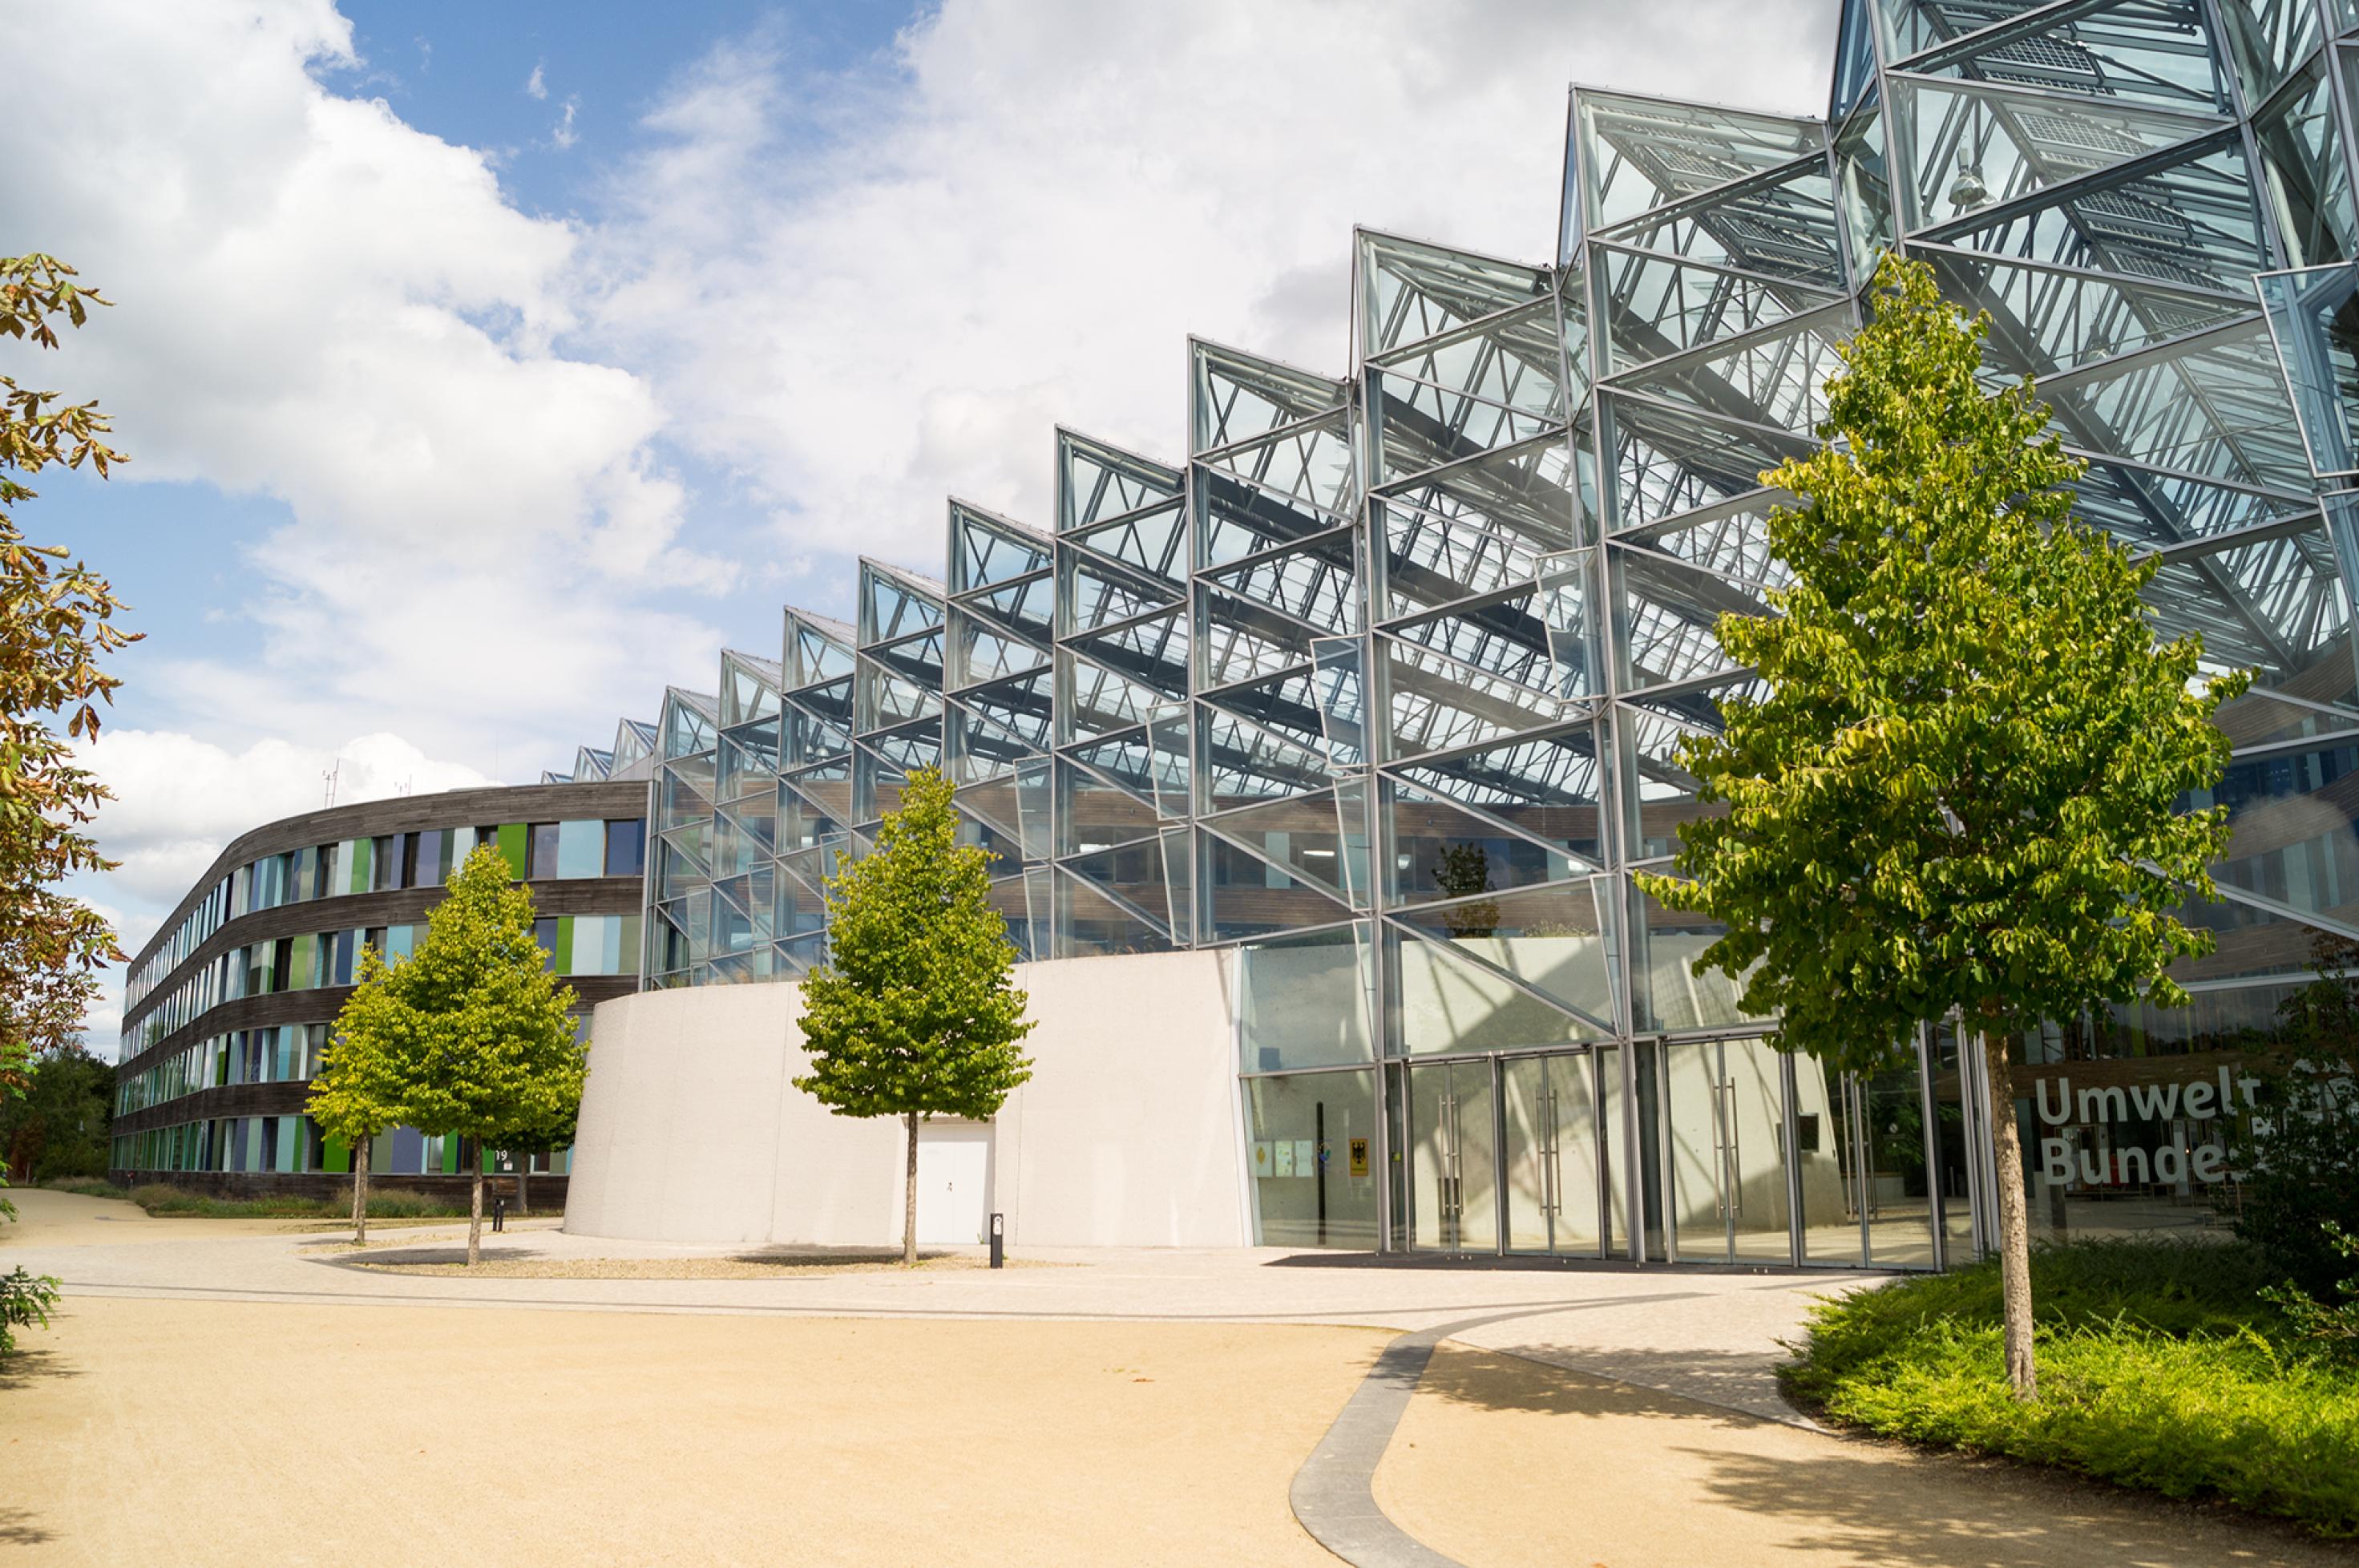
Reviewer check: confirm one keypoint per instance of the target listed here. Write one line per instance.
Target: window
(541, 858)
(544, 932)
(580, 848)
(626, 847)
(385, 856)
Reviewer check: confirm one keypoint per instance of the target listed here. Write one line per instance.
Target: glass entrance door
(1724, 1109)
(1557, 1155)
(1453, 1184)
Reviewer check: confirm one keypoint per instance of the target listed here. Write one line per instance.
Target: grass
(169, 1202)
(2160, 1369)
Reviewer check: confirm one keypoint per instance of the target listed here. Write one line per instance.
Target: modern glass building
(1376, 676)
(228, 1008)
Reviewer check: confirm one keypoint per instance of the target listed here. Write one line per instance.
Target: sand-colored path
(1502, 1463)
(200, 1431)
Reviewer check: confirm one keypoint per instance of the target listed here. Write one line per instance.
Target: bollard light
(999, 1241)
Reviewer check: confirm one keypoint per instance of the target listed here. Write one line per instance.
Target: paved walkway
(1711, 1336)
(247, 1386)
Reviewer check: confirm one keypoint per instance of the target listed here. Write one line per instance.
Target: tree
(2295, 1151)
(915, 1013)
(26, 1298)
(56, 625)
(1957, 787)
(357, 1092)
(58, 1127)
(496, 1060)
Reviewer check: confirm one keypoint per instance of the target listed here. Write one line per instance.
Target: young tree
(56, 624)
(1958, 791)
(915, 1014)
(496, 1060)
(2295, 1153)
(356, 1092)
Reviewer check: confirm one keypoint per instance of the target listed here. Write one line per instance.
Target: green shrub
(87, 1187)
(2160, 1367)
(24, 1300)
(2334, 1324)
(162, 1199)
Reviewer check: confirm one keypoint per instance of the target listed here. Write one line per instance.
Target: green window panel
(336, 1155)
(513, 838)
(303, 966)
(564, 948)
(360, 853)
(451, 1144)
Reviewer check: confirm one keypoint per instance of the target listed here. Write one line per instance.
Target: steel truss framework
(1387, 674)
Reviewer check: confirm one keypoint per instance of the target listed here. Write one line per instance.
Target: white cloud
(563, 136)
(322, 304)
(534, 86)
(1018, 223)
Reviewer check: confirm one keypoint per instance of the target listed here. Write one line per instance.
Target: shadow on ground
(1544, 1389)
(17, 1528)
(1949, 1508)
(31, 1363)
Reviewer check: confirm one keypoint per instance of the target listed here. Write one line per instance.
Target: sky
(488, 368)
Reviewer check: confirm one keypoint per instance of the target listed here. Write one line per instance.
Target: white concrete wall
(1128, 1134)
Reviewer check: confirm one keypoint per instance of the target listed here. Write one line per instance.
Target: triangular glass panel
(1155, 540)
(1095, 482)
(806, 738)
(1639, 155)
(980, 653)
(1526, 489)
(1093, 701)
(1780, 224)
(2266, 39)
(2156, 53)
(1110, 803)
(2047, 320)
(817, 648)
(831, 703)
(1025, 607)
(2314, 329)
(2187, 215)
(1410, 290)
(1245, 762)
(1152, 652)
(1341, 682)
(1668, 460)
(1656, 306)
(1019, 710)
(1090, 924)
(986, 549)
(1316, 581)
(1235, 396)
(1544, 785)
(894, 603)
(1301, 469)
(2213, 406)
(1982, 145)
(1854, 57)
(1502, 636)
(1443, 998)
(1863, 188)
(2149, 508)
(1242, 894)
(2278, 607)
(826, 791)
(1134, 878)
(1304, 836)
(1777, 377)
(1287, 705)
(1436, 704)
(917, 660)
(1243, 641)
(749, 687)
(802, 822)
(885, 698)
(1099, 593)
(1671, 611)
(1441, 849)
(1550, 938)
(1418, 426)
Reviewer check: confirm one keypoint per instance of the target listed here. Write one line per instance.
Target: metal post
(998, 1240)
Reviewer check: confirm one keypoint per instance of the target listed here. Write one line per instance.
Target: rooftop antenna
(402, 788)
(330, 776)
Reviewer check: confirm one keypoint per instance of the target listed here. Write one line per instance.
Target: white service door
(953, 1184)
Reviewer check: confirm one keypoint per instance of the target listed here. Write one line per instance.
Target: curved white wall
(1127, 1135)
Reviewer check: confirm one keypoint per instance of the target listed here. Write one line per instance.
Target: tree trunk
(360, 1192)
(475, 1201)
(909, 1198)
(2014, 1221)
(523, 1184)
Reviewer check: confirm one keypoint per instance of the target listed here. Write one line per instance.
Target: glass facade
(1379, 677)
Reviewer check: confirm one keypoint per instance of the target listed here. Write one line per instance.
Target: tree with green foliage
(58, 1127)
(356, 1092)
(26, 1298)
(1956, 788)
(56, 625)
(495, 1059)
(2297, 1151)
(915, 1013)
